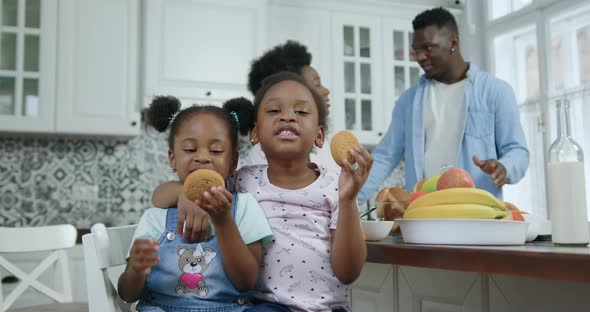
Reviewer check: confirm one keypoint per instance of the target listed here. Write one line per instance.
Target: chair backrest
(105, 251)
(54, 239)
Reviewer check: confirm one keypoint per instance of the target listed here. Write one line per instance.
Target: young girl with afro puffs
(167, 273)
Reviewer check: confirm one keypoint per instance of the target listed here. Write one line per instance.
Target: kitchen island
(533, 277)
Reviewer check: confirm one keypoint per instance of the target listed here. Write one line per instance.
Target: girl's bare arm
(349, 250)
(193, 222)
(166, 194)
(240, 261)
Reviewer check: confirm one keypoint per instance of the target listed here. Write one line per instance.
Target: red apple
(516, 216)
(416, 195)
(455, 177)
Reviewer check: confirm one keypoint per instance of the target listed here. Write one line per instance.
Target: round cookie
(200, 181)
(341, 143)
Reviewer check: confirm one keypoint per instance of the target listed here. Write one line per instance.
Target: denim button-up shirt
(491, 130)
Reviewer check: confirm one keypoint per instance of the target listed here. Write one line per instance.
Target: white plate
(463, 231)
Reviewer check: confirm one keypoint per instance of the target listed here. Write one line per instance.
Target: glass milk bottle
(566, 186)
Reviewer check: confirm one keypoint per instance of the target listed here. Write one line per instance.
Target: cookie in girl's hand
(341, 143)
(200, 181)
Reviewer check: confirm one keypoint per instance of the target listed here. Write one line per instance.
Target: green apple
(430, 184)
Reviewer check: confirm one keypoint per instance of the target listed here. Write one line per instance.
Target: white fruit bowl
(463, 231)
(376, 230)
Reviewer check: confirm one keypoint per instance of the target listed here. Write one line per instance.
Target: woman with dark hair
(292, 57)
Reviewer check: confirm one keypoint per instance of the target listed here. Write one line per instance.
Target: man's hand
(193, 222)
(494, 168)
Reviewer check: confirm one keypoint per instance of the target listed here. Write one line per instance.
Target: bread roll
(418, 185)
(200, 181)
(341, 143)
(511, 206)
(391, 202)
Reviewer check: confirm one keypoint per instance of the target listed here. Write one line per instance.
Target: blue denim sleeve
(510, 141)
(388, 152)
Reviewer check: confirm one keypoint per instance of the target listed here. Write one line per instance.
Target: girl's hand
(143, 255)
(217, 202)
(351, 180)
(193, 222)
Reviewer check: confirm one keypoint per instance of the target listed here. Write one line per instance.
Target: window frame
(539, 14)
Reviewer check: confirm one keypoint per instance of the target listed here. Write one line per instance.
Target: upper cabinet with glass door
(27, 65)
(401, 69)
(357, 88)
(373, 65)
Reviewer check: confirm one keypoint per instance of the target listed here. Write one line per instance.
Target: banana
(454, 196)
(455, 211)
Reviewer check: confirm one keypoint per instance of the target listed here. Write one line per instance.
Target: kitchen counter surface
(537, 259)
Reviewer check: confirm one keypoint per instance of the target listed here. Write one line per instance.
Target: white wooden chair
(54, 239)
(105, 251)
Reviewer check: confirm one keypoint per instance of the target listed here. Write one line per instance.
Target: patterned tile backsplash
(84, 180)
(79, 180)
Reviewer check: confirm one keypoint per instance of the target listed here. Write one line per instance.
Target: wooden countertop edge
(543, 265)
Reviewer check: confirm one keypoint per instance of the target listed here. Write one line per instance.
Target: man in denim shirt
(455, 115)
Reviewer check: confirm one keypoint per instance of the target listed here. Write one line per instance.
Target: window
(569, 77)
(516, 61)
(521, 68)
(539, 76)
(499, 8)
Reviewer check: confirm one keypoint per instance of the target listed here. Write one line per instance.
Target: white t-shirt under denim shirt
(444, 106)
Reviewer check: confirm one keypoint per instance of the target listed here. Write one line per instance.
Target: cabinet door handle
(208, 93)
(133, 123)
(380, 133)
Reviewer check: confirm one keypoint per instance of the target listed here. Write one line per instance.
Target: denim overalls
(190, 277)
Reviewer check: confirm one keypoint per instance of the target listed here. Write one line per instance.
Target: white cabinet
(384, 287)
(309, 26)
(361, 52)
(357, 70)
(430, 290)
(373, 291)
(75, 76)
(401, 70)
(27, 65)
(372, 65)
(97, 75)
(200, 50)
(512, 294)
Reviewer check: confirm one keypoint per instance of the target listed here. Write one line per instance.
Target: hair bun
(161, 111)
(244, 110)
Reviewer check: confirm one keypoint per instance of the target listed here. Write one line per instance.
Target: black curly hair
(440, 17)
(273, 79)
(165, 113)
(291, 56)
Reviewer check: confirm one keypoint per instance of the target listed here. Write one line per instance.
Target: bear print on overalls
(192, 263)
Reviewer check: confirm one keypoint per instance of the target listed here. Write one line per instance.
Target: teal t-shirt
(250, 220)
